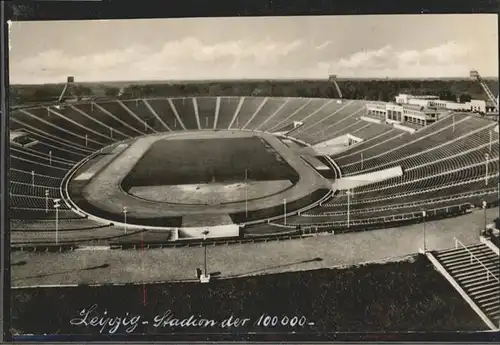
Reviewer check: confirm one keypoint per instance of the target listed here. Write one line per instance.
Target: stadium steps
(476, 269)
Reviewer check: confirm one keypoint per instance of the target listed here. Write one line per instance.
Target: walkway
(117, 266)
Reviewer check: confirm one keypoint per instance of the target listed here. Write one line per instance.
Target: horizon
(255, 48)
(158, 81)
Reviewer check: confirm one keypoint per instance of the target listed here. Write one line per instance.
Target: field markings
(150, 108)
(172, 106)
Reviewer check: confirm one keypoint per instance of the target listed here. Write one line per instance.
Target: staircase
(476, 270)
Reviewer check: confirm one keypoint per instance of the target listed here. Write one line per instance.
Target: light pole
(125, 211)
(86, 140)
(205, 278)
(246, 193)
(361, 160)
(33, 181)
(46, 201)
(56, 206)
(50, 158)
(284, 210)
(485, 204)
(424, 214)
(491, 135)
(487, 157)
(348, 206)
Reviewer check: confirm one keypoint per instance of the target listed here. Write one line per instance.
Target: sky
(394, 46)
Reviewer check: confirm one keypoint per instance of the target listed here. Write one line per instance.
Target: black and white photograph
(218, 178)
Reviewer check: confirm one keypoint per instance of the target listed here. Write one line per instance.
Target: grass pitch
(191, 161)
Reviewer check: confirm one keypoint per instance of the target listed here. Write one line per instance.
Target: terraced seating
(37, 190)
(398, 149)
(476, 270)
(122, 119)
(91, 138)
(27, 237)
(39, 214)
(58, 152)
(146, 120)
(274, 121)
(206, 111)
(371, 130)
(163, 108)
(352, 153)
(185, 109)
(49, 139)
(84, 115)
(26, 177)
(444, 163)
(271, 106)
(440, 181)
(249, 107)
(45, 121)
(31, 202)
(94, 118)
(446, 158)
(428, 169)
(28, 155)
(228, 108)
(414, 211)
(317, 129)
(426, 197)
(308, 108)
(351, 125)
(49, 225)
(20, 163)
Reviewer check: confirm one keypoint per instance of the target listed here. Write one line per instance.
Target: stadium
(183, 172)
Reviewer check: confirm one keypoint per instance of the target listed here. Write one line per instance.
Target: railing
(472, 257)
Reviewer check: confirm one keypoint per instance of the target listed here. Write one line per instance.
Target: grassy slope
(401, 296)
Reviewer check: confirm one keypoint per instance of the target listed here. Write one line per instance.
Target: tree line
(377, 90)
